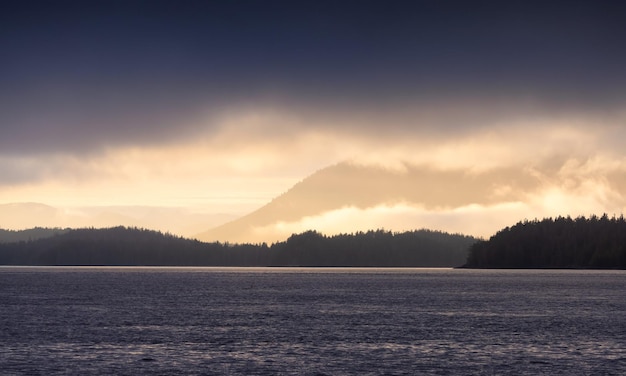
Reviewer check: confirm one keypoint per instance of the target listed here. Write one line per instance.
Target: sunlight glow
(253, 155)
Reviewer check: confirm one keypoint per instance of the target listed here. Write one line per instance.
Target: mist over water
(266, 321)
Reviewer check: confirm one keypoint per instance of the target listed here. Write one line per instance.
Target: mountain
(350, 185)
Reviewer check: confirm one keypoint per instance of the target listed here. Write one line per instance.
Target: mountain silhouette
(350, 185)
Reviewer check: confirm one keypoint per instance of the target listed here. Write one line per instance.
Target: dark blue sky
(127, 71)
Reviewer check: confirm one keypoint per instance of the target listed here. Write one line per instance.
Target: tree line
(562, 242)
(135, 246)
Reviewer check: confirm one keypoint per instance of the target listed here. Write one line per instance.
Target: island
(562, 242)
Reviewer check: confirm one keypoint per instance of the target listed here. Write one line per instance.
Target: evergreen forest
(133, 246)
(563, 242)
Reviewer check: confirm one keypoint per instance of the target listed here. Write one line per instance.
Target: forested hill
(11, 236)
(597, 242)
(132, 246)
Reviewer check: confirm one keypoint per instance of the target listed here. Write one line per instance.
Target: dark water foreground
(311, 321)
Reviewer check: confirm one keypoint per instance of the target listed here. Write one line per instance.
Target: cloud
(484, 181)
(286, 144)
(171, 175)
(476, 136)
(82, 79)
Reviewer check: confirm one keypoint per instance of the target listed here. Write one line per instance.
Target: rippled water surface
(214, 321)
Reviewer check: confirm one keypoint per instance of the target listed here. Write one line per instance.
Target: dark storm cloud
(79, 75)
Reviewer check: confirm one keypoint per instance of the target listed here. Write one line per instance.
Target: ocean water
(283, 321)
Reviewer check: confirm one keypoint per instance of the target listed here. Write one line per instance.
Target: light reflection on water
(335, 321)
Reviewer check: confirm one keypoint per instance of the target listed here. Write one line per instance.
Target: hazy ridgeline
(132, 246)
(597, 242)
(12, 236)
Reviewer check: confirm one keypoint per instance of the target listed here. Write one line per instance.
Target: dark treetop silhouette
(132, 246)
(597, 242)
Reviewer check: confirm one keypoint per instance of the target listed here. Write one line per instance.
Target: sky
(217, 107)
